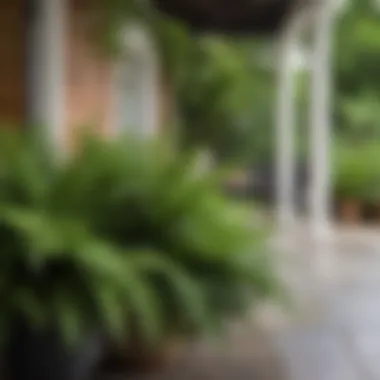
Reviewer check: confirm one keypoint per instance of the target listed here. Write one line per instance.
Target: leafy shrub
(357, 171)
(204, 260)
(56, 273)
(125, 234)
(57, 276)
(26, 168)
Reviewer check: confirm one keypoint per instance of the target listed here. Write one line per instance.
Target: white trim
(320, 128)
(48, 96)
(151, 96)
(114, 117)
(285, 125)
(139, 55)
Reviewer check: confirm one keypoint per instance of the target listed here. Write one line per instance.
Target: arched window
(136, 78)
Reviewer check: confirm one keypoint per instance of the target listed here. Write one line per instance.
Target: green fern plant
(126, 235)
(201, 255)
(26, 167)
(55, 275)
(56, 272)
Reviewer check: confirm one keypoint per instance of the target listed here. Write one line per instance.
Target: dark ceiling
(229, 16)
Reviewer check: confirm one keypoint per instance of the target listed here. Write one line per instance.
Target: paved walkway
(333, 335)
(340, 338)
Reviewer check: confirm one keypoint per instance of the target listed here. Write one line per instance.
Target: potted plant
(372, 194)
(356, 175)
(62, 288)
(61, 291)
(198, 251)
(349, 207)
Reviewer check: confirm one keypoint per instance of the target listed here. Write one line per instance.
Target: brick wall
(89, 73)
(88, 82)
(12, 61)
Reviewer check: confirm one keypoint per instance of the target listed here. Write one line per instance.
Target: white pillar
(48, 74)
(285, 147)
(320, 139)
(136, 83)
(323, 261)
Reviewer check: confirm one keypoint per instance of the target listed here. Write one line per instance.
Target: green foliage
(114, 16)
(361, 117)
(225, 98)
(357, 171)
(125, 234)
(357, 48)
(169, 36)
(26, 168)
(222, 87)
(357, 58)
(55, 272)
(205, 257)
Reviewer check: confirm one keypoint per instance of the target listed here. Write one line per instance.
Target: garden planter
(370, 213)
(138, 358)
(143, 359)
(350, 211)
(36, 355)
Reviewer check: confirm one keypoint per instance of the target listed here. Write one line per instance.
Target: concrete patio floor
(334, 334)
(340, 339)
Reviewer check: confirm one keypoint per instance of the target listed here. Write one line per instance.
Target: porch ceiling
(231, 16)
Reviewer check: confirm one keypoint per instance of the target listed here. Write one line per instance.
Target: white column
(135, 86)
(323, 257)
(48, 77)
(320, 139)
(151, 92)
(285, 149)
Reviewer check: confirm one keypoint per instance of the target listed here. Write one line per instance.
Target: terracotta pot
(370, 213)
(377, 213)
(350, 210)
(143, 359)
(140, 358)
(42, 355)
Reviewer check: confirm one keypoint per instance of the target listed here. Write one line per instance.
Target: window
(136, 84)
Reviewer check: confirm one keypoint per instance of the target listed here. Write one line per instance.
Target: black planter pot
(36, 355)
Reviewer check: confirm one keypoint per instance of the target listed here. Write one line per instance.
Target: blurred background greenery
(225, 89)
(226, 101)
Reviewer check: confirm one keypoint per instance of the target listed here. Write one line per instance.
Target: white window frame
(139, 55)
